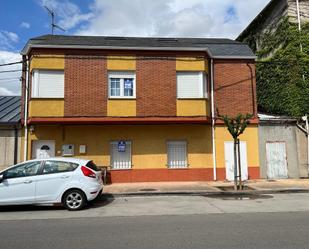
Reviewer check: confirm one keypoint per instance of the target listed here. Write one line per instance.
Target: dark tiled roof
(216, 47)
(10, 107)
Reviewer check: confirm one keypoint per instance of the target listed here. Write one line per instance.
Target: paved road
(166, 205)
(215, 231)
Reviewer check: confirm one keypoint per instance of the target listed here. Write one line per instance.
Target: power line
(11, 71)
(11, 63)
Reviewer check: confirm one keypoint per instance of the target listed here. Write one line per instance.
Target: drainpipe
(213, 120)
(298, 20)
(15, 144)
(26, 110)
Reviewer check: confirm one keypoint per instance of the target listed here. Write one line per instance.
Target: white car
(70, 181)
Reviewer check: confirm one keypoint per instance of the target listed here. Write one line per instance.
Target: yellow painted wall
(191, 64)
(46, 108)
(121, 108)
(187, 107)
(148, 142)
(55, 62)
(121, 63)
(250, 136)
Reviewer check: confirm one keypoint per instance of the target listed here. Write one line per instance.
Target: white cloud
(9, 81)
(68, 15)
(25, 25)
(194, 18)
(8, 39)
(5, 92)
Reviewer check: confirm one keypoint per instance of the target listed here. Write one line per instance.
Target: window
(23, 170)
(48, 84)
(191, 85)
(92, 166)
(51, 167)
(121, 154)
(177, 154)
(121, 84)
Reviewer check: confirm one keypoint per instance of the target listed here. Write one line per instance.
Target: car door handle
(28, 181)
(64, 177)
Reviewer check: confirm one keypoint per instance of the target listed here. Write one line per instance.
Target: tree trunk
(240, 186)
(235, 164)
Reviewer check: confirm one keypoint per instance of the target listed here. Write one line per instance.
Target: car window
(23, 170)
(51, 167)
(92, 166)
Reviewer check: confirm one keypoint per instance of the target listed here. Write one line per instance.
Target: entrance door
(43, 149)
(276, 160)
(229, 160)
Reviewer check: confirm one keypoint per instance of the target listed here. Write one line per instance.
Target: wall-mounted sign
(128, 84)
(122, 146)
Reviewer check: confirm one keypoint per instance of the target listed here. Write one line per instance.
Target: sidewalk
(215, 187)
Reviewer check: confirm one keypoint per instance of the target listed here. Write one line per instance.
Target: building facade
(144, 107)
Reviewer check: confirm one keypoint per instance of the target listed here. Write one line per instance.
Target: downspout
(214, 158)
(26, 110)
(15, 143)
(298, 20)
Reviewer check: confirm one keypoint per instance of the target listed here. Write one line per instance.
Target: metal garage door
(276, 160)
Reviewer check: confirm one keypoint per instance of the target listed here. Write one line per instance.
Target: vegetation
(282, 70)
(236, 126)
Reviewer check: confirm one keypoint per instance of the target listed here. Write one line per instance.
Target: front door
(229, 160)
(18, 187)
(276, 160)
(43, 149)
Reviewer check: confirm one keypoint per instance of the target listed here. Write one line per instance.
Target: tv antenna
(53, 25)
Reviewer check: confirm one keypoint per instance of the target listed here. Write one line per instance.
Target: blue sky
(23, 19)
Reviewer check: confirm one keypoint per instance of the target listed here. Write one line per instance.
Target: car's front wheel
(74, 200)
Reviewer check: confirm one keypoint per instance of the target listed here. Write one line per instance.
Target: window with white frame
(191, 85)
(177, 154)
(121, 84)
(121, 154)
(47, 84)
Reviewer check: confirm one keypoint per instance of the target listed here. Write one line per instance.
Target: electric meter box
(68, 150)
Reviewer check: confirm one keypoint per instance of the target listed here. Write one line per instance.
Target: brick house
(143, 106)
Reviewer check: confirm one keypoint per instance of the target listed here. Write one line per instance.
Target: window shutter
(177, 154)
(190, 85)
(48, 84)
(120, 160)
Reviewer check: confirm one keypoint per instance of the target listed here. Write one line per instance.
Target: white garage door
(229, 160)
(276, 160)
(43, 149)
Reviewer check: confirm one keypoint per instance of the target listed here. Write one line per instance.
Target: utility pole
(53, 25)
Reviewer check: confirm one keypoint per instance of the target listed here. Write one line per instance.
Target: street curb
(204, 193)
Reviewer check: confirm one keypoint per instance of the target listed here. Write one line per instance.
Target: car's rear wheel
(74, 200)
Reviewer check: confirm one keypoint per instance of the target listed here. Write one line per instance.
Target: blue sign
(128, 84)
(122, 146)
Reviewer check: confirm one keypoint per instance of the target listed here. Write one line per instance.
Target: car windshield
(92, 166)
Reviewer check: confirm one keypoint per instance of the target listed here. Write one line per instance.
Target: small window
(47, 84)
(121, 84)
(23, 170)
(121, 154)
(52, 167)
(191, 85)
(177, 154)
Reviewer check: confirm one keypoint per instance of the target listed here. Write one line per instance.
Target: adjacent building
(145, 107)
(10, 130)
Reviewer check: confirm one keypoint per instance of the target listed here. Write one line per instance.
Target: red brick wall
(86, 88)
(156, 87)
(235, 89)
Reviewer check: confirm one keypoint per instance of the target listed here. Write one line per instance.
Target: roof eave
(28, 47)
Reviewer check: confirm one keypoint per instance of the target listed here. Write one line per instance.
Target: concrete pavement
(159, 188)
(167, 205)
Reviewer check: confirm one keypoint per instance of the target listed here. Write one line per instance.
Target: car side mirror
(1, 178)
